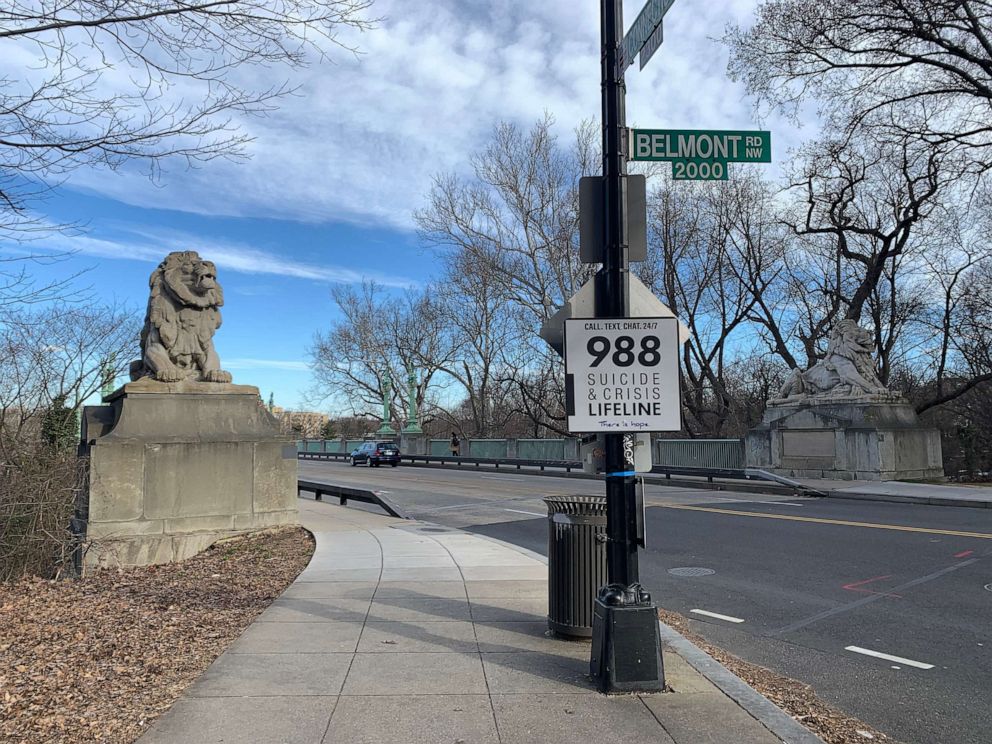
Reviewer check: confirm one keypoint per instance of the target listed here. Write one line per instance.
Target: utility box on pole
(591, 217)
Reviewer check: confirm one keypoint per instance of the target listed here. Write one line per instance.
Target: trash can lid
(578, 504)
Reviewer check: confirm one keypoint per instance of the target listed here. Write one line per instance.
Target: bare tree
(485, 349)
(60, 351)
(709, 262)
(956, 353)
(920, 68)
(861, 207)
(518, 216)
(378, 338)
(52, 359)
(515, 222)
(104, 82)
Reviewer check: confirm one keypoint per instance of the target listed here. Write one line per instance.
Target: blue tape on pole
(621, 474)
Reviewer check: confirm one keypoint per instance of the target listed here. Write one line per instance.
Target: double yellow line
(840, 522)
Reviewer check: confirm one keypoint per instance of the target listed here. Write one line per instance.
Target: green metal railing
(675, 453)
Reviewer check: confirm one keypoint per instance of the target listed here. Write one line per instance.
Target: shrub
(39, 488)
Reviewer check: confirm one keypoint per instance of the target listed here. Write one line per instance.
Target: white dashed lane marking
(533, 514)
(718, 616)
(888, 657)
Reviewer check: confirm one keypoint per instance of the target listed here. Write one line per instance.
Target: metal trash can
(576, 561)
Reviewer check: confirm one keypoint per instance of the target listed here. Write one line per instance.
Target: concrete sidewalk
(404, 632)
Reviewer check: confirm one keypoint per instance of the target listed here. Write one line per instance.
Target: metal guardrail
(733, 474)
(510, 462)
(345, 493)
(709, 473)
(323, 456)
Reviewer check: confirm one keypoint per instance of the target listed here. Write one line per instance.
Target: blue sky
(338, 170)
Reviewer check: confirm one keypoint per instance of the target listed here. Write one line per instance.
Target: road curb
(903, 499)
(773, 718)
(776, 720)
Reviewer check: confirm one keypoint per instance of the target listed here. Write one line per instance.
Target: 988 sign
(622, 374)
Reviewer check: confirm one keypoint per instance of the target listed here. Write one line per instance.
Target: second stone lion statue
(847, 369)
(177, 338)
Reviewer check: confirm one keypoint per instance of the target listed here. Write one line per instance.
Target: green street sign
(700, 154)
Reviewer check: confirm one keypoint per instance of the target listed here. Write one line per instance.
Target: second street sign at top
(647, 28)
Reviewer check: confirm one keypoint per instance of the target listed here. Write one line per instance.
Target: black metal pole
(612, 292)
(626, 645)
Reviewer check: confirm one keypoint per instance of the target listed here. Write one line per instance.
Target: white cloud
(152, 246)
(363, 139)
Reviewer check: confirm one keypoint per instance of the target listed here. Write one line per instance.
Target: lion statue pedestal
(180, 457)
(836, 420)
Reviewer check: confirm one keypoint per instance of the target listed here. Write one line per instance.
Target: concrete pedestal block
(846, 439)
(176, 466)
(413, 443)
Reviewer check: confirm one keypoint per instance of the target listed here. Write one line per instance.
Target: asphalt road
(797, 583)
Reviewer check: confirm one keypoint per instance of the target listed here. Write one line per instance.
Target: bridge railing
(659, 473)
(676, 453)
(494, 462)
(700, 453)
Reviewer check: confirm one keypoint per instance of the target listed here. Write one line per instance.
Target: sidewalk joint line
(655, 717)
(475, 635)
(365, 621)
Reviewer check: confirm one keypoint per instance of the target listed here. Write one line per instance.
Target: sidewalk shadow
(561, 668)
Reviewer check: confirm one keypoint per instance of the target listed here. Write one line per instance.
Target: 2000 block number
(623, 352)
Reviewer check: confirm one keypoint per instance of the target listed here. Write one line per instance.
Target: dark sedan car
(377, 453)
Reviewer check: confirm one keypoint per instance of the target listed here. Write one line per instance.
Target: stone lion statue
(177, 339)
(847, 369)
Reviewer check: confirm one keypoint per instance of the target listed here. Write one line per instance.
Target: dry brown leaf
(99, 658)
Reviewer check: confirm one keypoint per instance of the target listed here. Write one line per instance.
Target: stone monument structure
(180, 456)
(837, 420)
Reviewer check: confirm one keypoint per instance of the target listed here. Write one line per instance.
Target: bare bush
(52, 359)
(39, 489)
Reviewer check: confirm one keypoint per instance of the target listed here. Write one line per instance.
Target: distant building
(301, 424)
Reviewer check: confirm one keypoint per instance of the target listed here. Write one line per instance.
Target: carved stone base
(176, 466)
(414, 443)
(846, 439)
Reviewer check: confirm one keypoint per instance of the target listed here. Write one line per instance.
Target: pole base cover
(626, 648)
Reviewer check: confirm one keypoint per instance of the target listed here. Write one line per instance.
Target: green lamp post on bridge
(412, 415)
(387, 392)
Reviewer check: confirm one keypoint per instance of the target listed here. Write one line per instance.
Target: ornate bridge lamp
(387, 392)
(412, 415)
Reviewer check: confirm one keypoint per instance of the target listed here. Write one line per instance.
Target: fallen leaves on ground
(97, 659)
(796, 698)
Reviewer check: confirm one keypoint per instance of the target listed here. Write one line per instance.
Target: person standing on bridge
(456, 445)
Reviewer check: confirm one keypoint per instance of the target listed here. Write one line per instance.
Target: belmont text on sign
(700, 154)
(622, 374)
